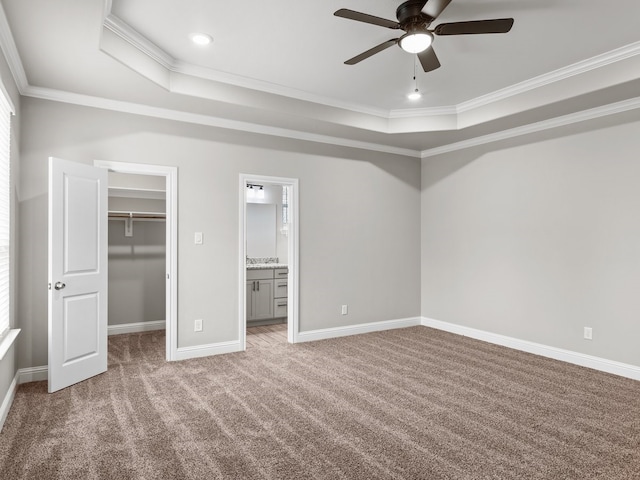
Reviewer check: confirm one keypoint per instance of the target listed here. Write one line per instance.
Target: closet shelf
(136, 215)
(132, 192)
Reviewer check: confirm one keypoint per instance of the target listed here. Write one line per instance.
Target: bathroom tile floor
(265, 335)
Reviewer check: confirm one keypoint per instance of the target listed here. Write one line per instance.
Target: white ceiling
(277, 67)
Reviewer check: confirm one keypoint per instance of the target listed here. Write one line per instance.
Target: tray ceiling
(277, 67)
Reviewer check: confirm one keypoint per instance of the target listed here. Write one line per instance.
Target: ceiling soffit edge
(155, 112)
(556, 122)
(135, 39)
(209, 120)
(564, 73)
(452, 117)
(576, 69)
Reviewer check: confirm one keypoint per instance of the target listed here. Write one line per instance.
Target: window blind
(5, 211)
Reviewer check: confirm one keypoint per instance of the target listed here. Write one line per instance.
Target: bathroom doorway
(268, 264)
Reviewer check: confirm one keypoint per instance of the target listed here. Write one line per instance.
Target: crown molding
(8, 46)
(207, 120)
(422, 112)
(555, 76)
(564, 120)
(131, 36)
(106, 10)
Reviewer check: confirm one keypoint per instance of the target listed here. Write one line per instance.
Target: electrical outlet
(345, 309)
(197, 325)
(588, 333)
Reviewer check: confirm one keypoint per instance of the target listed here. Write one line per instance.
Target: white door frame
(171, 185)
(293, 255)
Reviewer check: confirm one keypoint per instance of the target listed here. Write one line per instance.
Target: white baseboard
(36, 374)
(334, 332)
(33, 374)
(576, 358)
(8, 400)
(185, 353)
(136, 327)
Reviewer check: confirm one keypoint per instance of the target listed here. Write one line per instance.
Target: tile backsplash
(253, 260)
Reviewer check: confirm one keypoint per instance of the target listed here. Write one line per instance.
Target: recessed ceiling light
(415, 95)
(201, 38)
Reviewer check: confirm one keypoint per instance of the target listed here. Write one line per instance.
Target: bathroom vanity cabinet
(267, 292)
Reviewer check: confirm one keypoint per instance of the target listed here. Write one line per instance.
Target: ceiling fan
(414, 18)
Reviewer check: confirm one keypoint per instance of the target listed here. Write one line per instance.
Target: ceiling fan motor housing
(411, 17)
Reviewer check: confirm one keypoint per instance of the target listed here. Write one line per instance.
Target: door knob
(59, 286)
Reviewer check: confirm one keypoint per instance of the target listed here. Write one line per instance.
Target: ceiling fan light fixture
(201, 38)
(416, 41)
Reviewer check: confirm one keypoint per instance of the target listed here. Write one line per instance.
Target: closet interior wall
(137, 249)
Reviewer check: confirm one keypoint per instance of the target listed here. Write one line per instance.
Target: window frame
(6, 112)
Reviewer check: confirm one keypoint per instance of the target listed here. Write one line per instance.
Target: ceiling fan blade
(366, 18)
(499, 25)
(433, 8)
(429, 59)
(371, 51)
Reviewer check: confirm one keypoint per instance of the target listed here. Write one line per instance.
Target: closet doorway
(268, 260)
(137, 253)
(142, 250)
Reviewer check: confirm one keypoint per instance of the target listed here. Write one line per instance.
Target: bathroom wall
(273, 195)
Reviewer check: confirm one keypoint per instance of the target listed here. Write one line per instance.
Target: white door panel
(81, 229)
(80, 337)
(77, 272)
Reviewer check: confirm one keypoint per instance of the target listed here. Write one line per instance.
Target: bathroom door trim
(171, 186)
(293, 255)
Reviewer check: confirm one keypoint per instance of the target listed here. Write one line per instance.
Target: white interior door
(77, 272)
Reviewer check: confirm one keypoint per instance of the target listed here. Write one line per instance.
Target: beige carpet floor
(412, 403)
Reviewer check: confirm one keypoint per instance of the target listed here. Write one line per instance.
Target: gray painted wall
(359, 218)
(536, 239)
(137, 267)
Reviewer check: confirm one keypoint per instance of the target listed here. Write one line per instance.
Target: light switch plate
(198, 238)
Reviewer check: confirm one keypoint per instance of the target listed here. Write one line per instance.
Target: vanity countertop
(262, 266)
